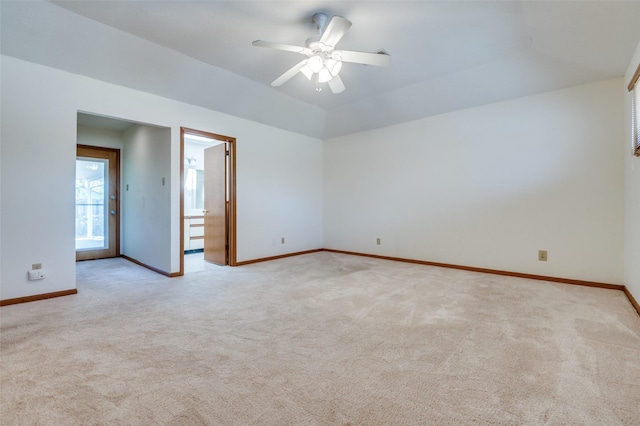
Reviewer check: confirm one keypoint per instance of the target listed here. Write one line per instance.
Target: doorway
(208, 222)
(144, 191)
(97, 202)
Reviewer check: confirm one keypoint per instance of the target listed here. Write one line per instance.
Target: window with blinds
(634, 88)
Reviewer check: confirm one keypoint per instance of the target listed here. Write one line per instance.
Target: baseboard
(159, 271)
(265, 259)
(35, 297)
(633, 301)
(489, 271)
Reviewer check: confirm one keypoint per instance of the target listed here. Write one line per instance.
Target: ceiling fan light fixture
(334, 66)
(316, 63)
(306, 71)
(324, 75)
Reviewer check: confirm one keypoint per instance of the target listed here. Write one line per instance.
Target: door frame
(116, 192)
(231, 176)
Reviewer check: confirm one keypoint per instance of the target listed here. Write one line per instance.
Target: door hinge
(227, 153)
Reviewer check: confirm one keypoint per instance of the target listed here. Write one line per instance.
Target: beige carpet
(320, 339)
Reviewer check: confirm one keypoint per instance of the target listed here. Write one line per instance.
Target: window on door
(91, 203)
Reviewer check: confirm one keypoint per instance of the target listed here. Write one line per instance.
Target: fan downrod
(320, 19)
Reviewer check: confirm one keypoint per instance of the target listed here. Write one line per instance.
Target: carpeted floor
(320, 339)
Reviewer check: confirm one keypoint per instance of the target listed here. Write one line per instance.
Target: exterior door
(215, 204)
(97, 202)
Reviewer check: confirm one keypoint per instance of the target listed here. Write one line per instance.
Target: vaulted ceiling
(445, 55)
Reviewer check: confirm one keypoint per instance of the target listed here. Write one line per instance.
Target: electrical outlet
(378, 241)
(35, 275)
(36, 266)
(542, 255)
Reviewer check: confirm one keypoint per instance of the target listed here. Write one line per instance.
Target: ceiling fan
(323, 61)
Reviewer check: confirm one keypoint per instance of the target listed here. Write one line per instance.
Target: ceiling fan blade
(377, 59)
(289, 73)
(336, 85)
(336, 29)
(282, 46)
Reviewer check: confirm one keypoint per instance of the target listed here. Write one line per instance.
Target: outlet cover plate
(37, 274)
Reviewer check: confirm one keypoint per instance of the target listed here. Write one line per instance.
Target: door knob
(113, 212)
(205, 211)
(113, 197)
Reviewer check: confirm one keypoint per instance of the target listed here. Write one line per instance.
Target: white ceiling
(445, 55)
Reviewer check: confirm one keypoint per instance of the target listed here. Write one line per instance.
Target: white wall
(38, 170)
(489, 186)
(196, 151)
(146, 196)
(105, 138)
(289, 178)
(38, 143)
(632, 195)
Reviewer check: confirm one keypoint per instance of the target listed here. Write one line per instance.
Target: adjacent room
(274, 212)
